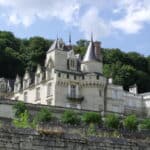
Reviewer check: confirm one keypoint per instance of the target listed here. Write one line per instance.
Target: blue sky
(123, 24)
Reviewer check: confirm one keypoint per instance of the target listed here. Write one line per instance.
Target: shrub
(70, 117)
(111, 121)
(145, 124)
(91, 117)
(20, 108)
(91, 129)
(130, 122)
(22, 121)
(43, 115)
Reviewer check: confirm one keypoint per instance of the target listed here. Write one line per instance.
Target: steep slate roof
(57, 44)
(54, 45)
(90, 53)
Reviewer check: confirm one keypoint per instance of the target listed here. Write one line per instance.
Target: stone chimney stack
(133, 89)
(98, 52)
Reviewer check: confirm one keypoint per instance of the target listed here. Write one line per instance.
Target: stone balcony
(78, 98)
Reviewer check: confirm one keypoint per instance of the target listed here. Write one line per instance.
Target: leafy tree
(138, 61)
(130, 122)
(22, 121)
(70, 117)
(145, 124)
(81, 46)
(20, 108)
(122, 74)
(91, 117)
(111, 121)
(43, 115)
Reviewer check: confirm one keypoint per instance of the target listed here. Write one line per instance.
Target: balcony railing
(75, 97)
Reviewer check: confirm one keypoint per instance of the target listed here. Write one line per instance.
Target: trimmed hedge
(91, 117)
(70, 117)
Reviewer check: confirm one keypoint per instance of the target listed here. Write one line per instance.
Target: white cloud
(136, 14)
(91, 22)
(87, 15)
(26, 11)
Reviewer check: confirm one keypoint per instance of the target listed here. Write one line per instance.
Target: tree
(70, 117)
(111, 121)
(122, 74)
(91, 117)
(43, 115)
(138, 61)
(130, 122)
(20, 108)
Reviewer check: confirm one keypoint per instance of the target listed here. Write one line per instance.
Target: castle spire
(90, 52)
(91, 36)
(70, 38)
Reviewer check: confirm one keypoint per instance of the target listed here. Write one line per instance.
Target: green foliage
(70, 117)
(130, 122)
(22, 121)
(145, 124)
(44, 115)
(125, 68)
(122, 74)
(91, 117)
(20, 108)
(91, 129)
(111, 121)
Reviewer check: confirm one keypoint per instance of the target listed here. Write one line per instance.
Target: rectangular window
(97, 77)
(82, 77)
(114, 94)
(25, 96)
(59, 74)
(38, 93)
(38, 78)
(49, 92)
(25, 83)
(73, 91)
(100, 93)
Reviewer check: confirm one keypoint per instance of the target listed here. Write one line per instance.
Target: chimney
(133, 89)
(98, 52)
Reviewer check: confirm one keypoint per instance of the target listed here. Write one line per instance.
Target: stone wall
(28, 139)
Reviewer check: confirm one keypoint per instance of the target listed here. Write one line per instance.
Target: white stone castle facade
(66, 80)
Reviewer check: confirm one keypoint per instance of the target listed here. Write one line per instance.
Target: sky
(123, 24)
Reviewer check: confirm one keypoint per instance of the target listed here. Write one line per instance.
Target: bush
(20, 108)
(70, 117)
(111, 121)
(22, 121)
(91, 129)
(145, 124)
(43, 115)
(91, 117)
(130, 122)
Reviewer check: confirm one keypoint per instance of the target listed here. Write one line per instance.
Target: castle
(66, 80)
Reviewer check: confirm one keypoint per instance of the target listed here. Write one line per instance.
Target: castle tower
(92, 61)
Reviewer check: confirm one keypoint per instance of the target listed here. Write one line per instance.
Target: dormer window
(25, 84)
(38, 79)
(17, 87)
(25, 96)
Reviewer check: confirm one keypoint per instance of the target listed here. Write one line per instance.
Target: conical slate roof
(54, 45)
(57, 44)
(90, 53)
